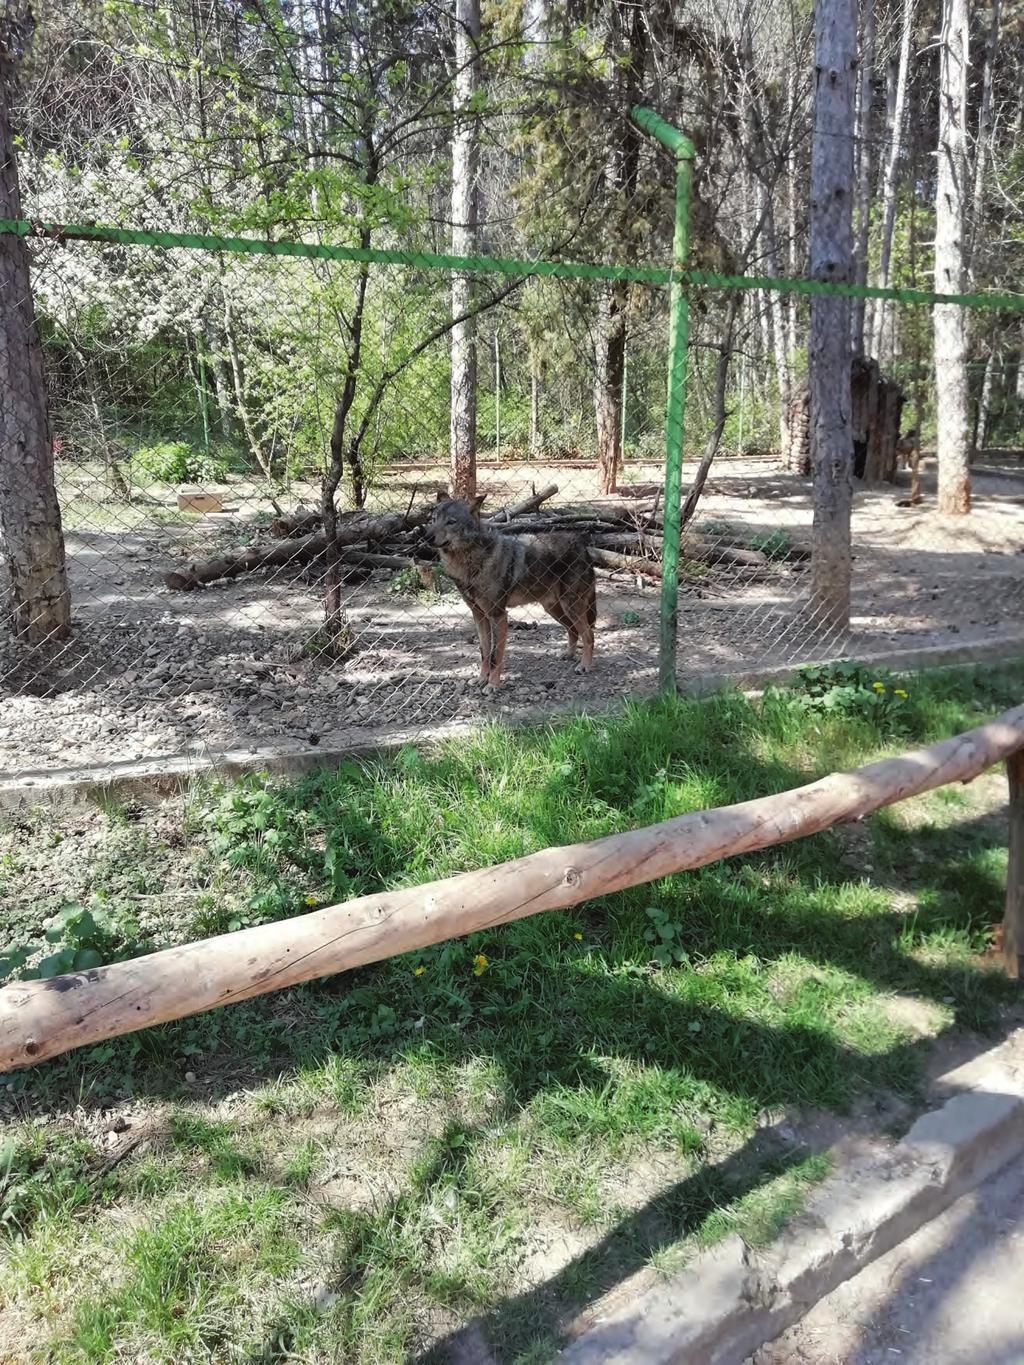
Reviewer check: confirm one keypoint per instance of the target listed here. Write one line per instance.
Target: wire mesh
(194, 399)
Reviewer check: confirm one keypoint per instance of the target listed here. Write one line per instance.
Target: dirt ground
(150, 671)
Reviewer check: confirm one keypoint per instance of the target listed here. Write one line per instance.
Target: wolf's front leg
(483, 630)
(499, 637)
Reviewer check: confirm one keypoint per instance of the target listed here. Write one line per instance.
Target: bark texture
(829, 348)
(465, 196)
(890, 179)
(33, 541)
(626, 42)
(950, 322)
(865, 98)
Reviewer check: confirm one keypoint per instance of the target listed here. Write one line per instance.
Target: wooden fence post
(1013, 923)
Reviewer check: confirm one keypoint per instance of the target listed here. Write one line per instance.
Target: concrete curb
(162, 776)
(733, 1300)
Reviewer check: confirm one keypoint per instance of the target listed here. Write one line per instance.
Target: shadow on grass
(775, 952)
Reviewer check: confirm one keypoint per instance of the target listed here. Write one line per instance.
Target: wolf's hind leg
(563, 618)
(585, 625)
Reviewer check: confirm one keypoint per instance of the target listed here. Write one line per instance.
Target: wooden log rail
(41, 1019)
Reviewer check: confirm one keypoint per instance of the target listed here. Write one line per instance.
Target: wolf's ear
(476, 503)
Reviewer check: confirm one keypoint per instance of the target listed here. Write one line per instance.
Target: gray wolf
(494, 572)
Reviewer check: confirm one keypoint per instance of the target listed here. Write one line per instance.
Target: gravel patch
(150, 672)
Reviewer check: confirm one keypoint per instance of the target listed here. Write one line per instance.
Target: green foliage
(331, 641)
(856, 691)
(180, 462)
(79, 940)
(666, 938)
(776, 545)
(421, 580)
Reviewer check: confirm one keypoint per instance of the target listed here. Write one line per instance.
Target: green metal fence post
(675, 408)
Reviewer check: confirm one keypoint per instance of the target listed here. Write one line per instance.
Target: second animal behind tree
(494, 572)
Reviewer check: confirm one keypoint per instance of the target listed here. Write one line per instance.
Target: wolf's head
(455, 524)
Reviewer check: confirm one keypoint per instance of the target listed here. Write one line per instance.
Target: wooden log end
(182, 582)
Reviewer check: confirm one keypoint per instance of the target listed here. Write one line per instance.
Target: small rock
(190, 1077)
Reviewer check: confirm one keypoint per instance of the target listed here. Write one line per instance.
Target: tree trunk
(829, 350)
(776, 320)
(610, 346)
(793, 201)
(535, 437)
(863, 165)
(214, 343)
(626, 42)
(464, 243)
(981, 412)
(891, 81)
(950, 322)
(720, 410)
(880, 312)
(244, 416)
(29, 510)
(984, 136)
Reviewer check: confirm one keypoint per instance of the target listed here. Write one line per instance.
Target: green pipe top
(663, 132)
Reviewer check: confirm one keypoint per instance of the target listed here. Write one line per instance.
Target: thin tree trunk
(464, 243)
(610, 345)
(950, 322)
(863, 169)
(342, 442)
(29, 510)
(764, 167)
(241, 406)
(792, 203)
(981, 412)
(627, 36)
(535, 438)
(214, 343)
(984, 135)
(880, 312)
(829, 350)
(891, 79)
(720, 411)
(497, 396)
(776, 323)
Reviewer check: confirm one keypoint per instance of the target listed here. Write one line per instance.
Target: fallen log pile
(621, 537)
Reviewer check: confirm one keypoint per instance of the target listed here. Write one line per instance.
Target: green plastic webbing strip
(490, 265)
(251, 246)
(852, 291)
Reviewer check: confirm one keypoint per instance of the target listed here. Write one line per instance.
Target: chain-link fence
(201, 396)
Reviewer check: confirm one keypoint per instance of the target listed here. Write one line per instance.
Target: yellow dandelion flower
(479, 965)
(311, 900)
(878, 686)
(899, 692)
(418, 971)
(578, 938)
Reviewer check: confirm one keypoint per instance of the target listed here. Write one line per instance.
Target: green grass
(503, 1125)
